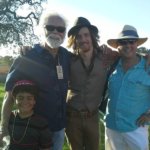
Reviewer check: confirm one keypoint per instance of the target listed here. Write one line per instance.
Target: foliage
(142, 50)
(6, 60)
(16, 27)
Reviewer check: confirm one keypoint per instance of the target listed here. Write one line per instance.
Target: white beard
(54, 41)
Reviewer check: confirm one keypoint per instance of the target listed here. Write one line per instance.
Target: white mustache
(54, 36)
(54, 40)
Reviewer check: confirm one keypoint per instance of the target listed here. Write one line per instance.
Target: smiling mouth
(126, 50)
(54, 38)
(82, 44)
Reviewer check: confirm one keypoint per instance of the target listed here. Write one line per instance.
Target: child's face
(25, 102)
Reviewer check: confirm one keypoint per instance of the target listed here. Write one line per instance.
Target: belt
(82, 113)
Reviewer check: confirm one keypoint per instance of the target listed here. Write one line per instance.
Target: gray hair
(43, 20)
(46, 15)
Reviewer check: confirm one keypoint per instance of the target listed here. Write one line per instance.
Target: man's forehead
(83, 30)
(55, 20)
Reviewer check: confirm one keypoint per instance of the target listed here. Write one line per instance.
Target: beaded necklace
(25, 131)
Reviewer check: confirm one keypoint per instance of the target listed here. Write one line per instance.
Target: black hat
(81, 22)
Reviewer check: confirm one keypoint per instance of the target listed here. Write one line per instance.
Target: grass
(1, 93)
(66, 146)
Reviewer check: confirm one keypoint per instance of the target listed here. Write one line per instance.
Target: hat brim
(74, 29)
(114, 42)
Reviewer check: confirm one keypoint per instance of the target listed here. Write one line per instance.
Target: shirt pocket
(138, 85)
(142, 78)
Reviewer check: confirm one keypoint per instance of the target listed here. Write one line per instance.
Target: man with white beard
(47, 65)
(54, 40)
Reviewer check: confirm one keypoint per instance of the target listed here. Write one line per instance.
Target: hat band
(128, 33)
(24, 82)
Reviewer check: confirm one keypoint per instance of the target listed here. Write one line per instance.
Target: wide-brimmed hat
(79, 23)
(128, 32)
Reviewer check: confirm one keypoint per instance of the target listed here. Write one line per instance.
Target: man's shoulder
(65, 53)
(32, 51)
(64, 50)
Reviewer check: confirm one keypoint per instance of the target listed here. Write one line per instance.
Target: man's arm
(110, 56)
(5, 113)
(23, 50)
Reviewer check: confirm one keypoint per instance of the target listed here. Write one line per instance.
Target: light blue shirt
(129, 97)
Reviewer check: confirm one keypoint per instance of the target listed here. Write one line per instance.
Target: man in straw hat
(88, 74)
(129, 95)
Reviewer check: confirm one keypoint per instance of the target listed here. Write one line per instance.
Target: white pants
(135, 140)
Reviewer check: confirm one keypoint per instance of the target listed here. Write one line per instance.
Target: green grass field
(66, 147)
(1, 93)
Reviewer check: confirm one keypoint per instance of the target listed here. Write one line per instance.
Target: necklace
(25, 131)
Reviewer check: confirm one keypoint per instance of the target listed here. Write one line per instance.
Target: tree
(142, 50)
(18, 28)
(7, 60)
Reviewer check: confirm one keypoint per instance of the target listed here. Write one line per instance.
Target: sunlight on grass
(1, 94)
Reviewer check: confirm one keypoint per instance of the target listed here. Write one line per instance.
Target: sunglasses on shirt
(127, 41)
(57, 28)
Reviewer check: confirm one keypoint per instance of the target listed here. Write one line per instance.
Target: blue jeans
(58, 139)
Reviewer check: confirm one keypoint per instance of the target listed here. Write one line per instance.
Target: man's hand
(23, 50)
(105, 49)
(148, 60)
(109, 56)
(144, 118)
(5, 113)
(147, 57)
(3, 131)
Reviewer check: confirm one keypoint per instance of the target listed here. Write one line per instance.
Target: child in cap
(28, 131)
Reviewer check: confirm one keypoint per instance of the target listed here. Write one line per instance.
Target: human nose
(82, 39)
(55, 30)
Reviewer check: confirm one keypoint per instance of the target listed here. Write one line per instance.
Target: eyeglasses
(127, 41)
(52, 28)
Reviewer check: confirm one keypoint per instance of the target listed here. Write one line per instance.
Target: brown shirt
(86, 87)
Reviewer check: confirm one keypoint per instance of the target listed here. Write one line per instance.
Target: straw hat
(79, 23)
(128, 32)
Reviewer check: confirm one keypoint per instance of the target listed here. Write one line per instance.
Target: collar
(40, 49)
(141, 63)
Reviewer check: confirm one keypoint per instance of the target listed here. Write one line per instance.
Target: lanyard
(59, 70)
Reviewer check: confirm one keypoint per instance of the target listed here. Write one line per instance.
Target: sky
(108, 15)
